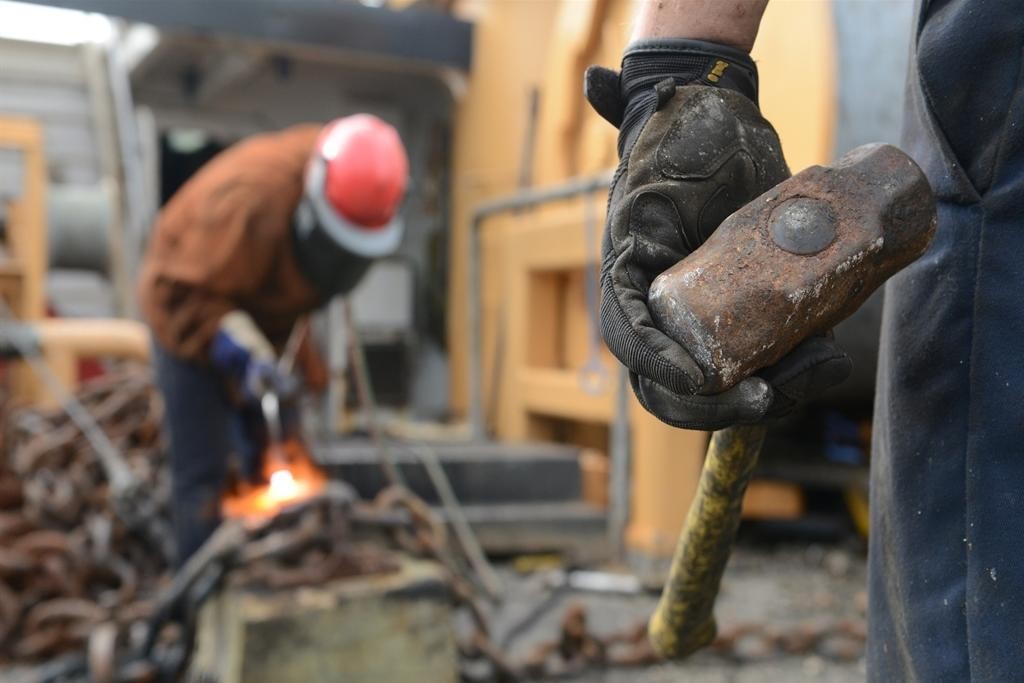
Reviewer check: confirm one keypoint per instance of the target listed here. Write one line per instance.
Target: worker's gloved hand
(229, 357)
(693, 148)
(260, 378)
(253, 374)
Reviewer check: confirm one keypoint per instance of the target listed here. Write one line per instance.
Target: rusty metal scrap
(67, 563)
(577, 649)
(83, 595)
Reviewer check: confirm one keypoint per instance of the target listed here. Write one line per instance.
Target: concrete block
(393, 627)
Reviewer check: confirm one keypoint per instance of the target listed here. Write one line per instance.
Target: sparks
(291, 477)
(282, 485)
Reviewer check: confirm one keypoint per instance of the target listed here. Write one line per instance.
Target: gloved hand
(693, 148)
(253, 374)
(263, 376)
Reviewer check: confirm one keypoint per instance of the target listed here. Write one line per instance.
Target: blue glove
(229, 357)
(261, 377)
(254, 376)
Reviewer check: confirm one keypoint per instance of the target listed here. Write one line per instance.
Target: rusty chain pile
(840, 640)
(67, 562)
(86, 596)
(91, 598)
(577, 649)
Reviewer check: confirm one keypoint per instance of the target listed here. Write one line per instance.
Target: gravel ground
(775, 586)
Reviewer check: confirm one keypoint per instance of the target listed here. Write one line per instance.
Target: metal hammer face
(794, 262)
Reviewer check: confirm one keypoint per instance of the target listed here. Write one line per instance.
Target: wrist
(734, 23)
(646, 62)
(733, 42)
(648, 66)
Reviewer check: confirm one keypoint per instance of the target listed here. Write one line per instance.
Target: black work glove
(693, 148)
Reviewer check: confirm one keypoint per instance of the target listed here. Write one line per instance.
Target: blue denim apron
(946, 565)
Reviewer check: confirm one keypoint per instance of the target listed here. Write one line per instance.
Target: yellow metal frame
(23, 280)
(26, 240)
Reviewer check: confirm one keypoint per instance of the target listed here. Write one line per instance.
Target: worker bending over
(267, 231)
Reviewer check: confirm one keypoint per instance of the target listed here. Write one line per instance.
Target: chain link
(67, 562)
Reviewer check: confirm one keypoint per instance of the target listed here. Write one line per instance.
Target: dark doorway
(179, 161)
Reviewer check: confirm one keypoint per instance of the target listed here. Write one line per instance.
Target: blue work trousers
(946, 559)
(203, 429)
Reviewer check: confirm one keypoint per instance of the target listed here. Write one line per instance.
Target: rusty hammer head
(794, 262)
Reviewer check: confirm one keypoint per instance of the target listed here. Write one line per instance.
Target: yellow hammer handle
(684, 620)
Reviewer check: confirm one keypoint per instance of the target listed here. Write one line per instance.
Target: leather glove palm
(693, 148)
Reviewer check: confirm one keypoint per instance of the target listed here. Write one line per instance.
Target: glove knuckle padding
(710, 151)
(706, 127)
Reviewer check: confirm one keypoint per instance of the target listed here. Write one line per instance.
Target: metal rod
(483, 211)
(286, 363)
(366, 397)
(106, 451)
(457, 518)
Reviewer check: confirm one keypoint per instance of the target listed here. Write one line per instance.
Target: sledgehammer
(792, 263)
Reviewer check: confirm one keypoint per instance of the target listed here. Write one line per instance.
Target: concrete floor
(777, 586)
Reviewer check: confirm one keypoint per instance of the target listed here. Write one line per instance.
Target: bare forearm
(728, 22)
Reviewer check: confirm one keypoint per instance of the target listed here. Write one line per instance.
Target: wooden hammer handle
(684, 620)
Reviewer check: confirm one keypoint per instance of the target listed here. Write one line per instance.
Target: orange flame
(291, 477)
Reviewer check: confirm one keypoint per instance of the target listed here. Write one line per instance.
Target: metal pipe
(78, 226)
(618, 480)
(286, 363)
(520, 200)
(85, 337)
(77, 219)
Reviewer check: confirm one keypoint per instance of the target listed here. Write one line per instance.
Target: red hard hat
(366, 170)
(355, 181)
